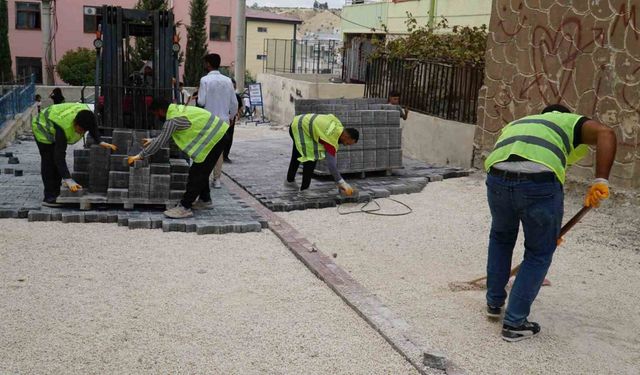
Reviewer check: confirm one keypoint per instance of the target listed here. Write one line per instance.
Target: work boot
(291, 185)
(216, 184)
(178, 212)
(51, 203)
(525, 331)
(494, 312)
(227, 160)
(202, 205)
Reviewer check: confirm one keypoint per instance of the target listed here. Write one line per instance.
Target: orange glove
(108, 145)
(72, 185)
(146, 142)
(132, 159)
(345, 188)
(598, 191)
(559, 241)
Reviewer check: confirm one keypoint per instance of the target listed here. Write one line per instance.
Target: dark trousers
(307, 167)
(230, 133)
(198, 180)
(51, 177)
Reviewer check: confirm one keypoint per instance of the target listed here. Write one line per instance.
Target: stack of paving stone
(380, 144)
(157, 179)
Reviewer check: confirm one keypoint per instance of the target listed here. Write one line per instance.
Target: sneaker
(178, 212)
(216, 184)
(52, 203)
(525, 331)
(201, 205)
(494, 312)
(291, 185)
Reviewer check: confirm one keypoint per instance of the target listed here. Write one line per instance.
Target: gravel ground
(96, 299)
(589, 315)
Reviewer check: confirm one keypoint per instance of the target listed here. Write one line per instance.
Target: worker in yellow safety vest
(526, 173)
(200, 135)
(316, 137)
(54, 128)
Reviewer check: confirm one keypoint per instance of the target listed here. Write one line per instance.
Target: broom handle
(565, 228)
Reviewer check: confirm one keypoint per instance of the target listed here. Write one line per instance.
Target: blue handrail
(16, 98)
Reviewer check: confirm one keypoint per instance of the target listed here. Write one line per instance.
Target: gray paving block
(39, 215)
(176, 194)
(173, 226)
(160, 168)
(382, 158)
(119, 163)
(179, 166)
(121, 138)
(117, 193)
(72, 217)
(81, 153)
(118, 180)
(139, 223)
(162, 156)
(179, 177)
(141, 163)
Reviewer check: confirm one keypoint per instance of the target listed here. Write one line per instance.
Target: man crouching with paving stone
(314, 138)
(526, 173)
(54, 128)
(200, 135)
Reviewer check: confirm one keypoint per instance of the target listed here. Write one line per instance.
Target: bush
(78, 67)
(457, 44)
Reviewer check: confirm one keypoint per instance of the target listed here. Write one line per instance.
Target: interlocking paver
(21, 196)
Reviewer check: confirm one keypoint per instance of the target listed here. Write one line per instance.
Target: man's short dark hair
(353, 133)
(394, 93)
(181, 84)
(213, 59)
(556, 108)
(159, 104)
(87, 121)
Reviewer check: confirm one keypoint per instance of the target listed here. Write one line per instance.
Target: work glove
(345, 188)
(108, 146)
(146, 142)
(598, 191)
(72, 185)
(132, 159)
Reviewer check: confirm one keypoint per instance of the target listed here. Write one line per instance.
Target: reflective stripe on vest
(62, 115)
(46, 131)
(205, 132)
(316, 152)
(546, 139)
(310, 129)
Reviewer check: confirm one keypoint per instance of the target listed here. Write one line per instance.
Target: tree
(458, 44)
(78, 67)
(196, 42)
(143, 50)
(5, 50)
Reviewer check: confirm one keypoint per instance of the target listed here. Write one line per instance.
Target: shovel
(477, 284)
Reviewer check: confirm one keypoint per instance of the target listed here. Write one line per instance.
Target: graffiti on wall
(584, 54)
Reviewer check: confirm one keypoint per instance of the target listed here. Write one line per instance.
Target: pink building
(74, 26)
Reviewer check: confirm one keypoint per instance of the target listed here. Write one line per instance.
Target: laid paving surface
(21, 196)
(261, 167)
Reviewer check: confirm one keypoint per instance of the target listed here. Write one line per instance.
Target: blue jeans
(539, 206)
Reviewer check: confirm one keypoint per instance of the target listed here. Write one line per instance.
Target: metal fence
(302, 56)
(16, 97)
(439, 89)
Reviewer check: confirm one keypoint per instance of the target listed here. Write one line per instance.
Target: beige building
(265, 25)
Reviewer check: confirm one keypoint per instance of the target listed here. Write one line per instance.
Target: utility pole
(240, 64)
(45, 22)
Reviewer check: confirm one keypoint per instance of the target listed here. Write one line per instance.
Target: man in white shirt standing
(216, 95)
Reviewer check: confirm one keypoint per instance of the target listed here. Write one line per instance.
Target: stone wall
(583, 54)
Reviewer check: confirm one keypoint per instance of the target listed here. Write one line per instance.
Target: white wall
(438, 141)
(280, 91)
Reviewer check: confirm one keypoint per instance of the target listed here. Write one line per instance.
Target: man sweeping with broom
(526, 173)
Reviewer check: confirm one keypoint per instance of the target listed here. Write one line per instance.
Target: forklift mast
(124, 91)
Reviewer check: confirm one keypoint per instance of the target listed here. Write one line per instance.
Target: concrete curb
(391, 327)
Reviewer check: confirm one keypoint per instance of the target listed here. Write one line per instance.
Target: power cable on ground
(375, 210)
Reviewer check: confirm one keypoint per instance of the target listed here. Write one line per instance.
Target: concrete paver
(20, 197)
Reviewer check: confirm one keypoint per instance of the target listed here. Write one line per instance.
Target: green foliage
(143, 50)
(196, 42)
(462, 45)
(78, 67)
(5, 50)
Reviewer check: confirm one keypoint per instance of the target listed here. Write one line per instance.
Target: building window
(91, 19)
(262, 29)
(261, 57)
(27, 15)
(220, 28)
(25, 66)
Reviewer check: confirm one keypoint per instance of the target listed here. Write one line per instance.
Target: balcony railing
(360, 2)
